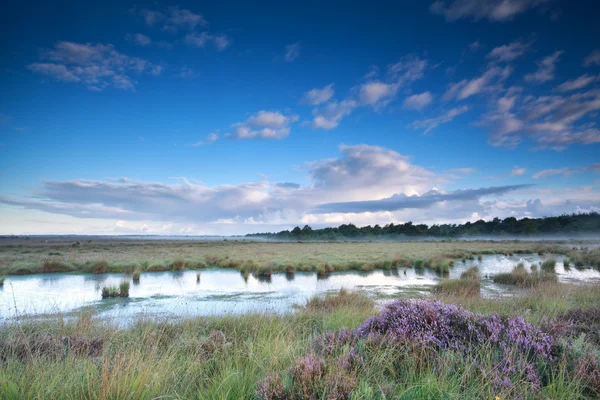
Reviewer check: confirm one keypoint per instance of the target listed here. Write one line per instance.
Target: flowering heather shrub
(331, 341)
(306, 376)
(450, 326)
(575, 322)
(588, 370)
(272, 388)
(339, 386)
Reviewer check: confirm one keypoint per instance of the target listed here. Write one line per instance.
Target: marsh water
(221, 291)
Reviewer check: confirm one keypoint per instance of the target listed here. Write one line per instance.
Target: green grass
(549, 265)
(2, 279)
(458, 287)
(109, 255)
(136, 275)
(116, 291)
(522, 278)
(226, 357)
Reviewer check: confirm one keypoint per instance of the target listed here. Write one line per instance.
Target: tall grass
(237, 356)
(116, 291)
(519, 276)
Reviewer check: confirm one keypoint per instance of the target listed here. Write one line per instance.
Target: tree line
(573, 223)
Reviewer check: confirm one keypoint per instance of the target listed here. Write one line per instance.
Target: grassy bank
(318, 352)
(261, 258)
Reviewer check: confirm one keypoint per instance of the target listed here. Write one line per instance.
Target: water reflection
(220, 291)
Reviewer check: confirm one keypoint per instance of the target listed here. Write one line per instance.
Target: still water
(220, 291)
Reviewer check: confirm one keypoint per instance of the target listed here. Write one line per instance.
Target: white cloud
(566, 171)
(292, 51)
(493, 10)
(97, 66)
(546, 69)
(418, 101)
(376, 184)
(139, 39)
(408, 69)
(330, 115)
(374, 93)
(550, 121)
(173, 19)
(377, 93)
(264, 125)
(317, 96)
(221, 42)
(508, 52)
(552, 172)
(484, 83)
(210, 139)
(578, 83)
(592, 59)
(432, 123)
(518, 171)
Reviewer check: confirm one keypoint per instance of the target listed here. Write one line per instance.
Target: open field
(318, 352)
(20, 256)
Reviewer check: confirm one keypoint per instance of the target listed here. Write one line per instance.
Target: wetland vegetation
(448, 340)
(543, 344)
(102, 255)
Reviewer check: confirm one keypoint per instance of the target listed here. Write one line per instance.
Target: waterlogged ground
(221, 291)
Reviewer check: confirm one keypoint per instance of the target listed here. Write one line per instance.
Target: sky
(234, 117)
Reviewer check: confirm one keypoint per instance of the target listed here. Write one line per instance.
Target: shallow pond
(177, 294)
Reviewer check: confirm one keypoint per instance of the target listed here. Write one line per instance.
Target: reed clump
(519, 276)
(137, 272)
(116, 291)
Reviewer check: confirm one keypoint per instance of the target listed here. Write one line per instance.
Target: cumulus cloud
(546, 69)
(508, 52)
(592, 59)
(317, 96)
(194, 39)
(375, 93)
(96, 66)
(264, 125)
(418, 101)
(429, 124)
(330, 115)
(292, 52)
(380, 186)
(493, 10)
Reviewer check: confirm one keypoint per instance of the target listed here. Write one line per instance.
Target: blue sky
(236, 117)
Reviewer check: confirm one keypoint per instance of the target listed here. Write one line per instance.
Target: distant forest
(574, 223)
